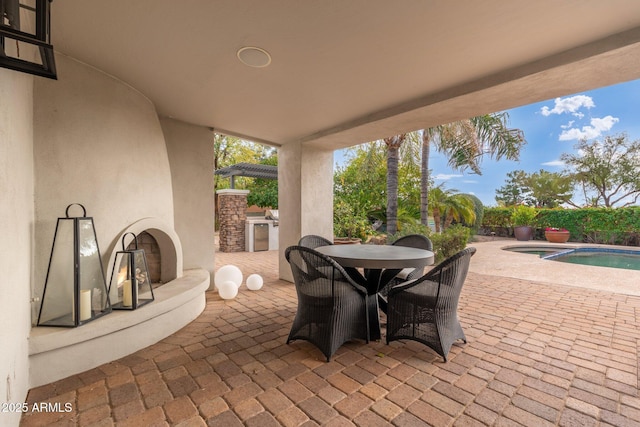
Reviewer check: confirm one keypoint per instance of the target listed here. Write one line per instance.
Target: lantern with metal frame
(75, 291)
(130, 284)
(25, 37)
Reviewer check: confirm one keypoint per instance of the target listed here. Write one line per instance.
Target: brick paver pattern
(537, 355)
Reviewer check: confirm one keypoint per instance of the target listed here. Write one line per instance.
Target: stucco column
(305, 197)
(190, 151)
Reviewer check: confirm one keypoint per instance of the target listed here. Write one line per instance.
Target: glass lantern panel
(93, 296)
(58, 300)
(120, 282)
(143, 280)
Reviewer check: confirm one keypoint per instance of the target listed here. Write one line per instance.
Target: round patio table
(378, 256)
(375, 258)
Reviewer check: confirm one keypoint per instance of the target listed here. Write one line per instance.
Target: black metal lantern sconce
(75, 291)
(130, 284)
(25, 40)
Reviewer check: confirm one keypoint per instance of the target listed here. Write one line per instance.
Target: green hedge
(619, 226)
(451, 241)
(445, 244)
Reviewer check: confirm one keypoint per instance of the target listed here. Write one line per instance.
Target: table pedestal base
(374, 318)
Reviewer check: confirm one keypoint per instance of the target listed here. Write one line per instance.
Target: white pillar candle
(85, 304)
(127, 297)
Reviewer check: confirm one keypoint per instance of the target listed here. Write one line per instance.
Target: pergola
(249, 170)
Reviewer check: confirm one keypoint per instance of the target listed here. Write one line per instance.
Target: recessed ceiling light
(254, 56)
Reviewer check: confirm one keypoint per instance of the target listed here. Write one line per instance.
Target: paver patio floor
(536, 355)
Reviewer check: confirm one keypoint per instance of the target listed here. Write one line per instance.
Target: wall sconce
(25, 37)
(130, 284)
(75, 291)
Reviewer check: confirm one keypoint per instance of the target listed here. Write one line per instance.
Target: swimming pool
(599, 257)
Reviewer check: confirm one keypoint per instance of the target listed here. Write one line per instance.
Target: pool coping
(491, 259)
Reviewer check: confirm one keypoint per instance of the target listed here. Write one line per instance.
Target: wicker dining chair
(392, 277)
(332, 307)
(425, 309)
(313, 241)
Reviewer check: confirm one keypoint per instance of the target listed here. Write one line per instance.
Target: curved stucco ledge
(56, 353)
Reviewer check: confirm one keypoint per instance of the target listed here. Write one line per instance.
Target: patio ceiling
(346, 72)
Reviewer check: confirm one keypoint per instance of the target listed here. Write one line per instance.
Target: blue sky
(551, 128)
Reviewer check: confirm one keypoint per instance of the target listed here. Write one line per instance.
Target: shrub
(346, 223)
(620, 226)
(450, 241)
(523, 215)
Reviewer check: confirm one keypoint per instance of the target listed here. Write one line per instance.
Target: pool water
(614, 258)
(602, 259)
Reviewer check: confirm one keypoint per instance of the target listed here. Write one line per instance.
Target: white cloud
(568, 125)
(558, 163)
(598, 125)
(569, 105)
(445, 177)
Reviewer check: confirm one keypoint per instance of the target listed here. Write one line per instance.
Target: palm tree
(450, 205)
(393, 145)
(465, 142)
(459, 207)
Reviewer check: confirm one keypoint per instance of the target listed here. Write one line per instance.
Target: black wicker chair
(425, 309)
(312, 241)
(332, 307)
(392, 277)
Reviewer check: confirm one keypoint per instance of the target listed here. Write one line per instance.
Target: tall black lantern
(75, 291)
(130, 284)
(24, 37)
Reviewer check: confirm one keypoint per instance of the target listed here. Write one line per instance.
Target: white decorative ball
(226, 273)
(227, 290)
(254, 282)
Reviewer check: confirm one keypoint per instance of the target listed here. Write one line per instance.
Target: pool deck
(491, 259)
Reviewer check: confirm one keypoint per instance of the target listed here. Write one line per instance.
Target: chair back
(450, 275)
(418, 241)
(312, 241)
(316, 274)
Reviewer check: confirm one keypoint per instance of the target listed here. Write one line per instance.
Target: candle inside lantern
(85, 305)
(127, 296)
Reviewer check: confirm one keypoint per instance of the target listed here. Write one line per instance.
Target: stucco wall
(16, 229)
(190, 150)
(98, 142)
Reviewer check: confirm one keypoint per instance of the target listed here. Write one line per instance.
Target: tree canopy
(607, 171)
(361, 182)
(466, 143)
(543, 189)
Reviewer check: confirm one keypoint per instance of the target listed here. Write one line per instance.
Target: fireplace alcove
(55, 353)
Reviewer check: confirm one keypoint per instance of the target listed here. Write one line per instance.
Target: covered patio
(126, 130)
(537, 355)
